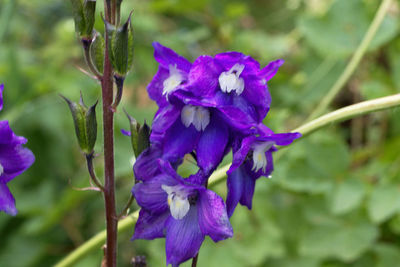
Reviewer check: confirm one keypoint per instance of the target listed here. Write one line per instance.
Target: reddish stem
(109, 186)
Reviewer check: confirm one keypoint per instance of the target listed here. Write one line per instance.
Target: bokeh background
(334, 197)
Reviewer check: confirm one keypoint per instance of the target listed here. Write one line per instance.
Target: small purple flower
(14, 159)
(182, 212)
(251, 160)
(172, 73)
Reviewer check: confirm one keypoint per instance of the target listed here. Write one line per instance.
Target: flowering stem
(355, 60)
(109, 178)
(220, 174)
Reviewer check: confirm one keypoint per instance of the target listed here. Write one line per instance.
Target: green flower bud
(134, 127)
(121, 48)
(140, 135)
(143, 138)
(84, 17)
(85, 124)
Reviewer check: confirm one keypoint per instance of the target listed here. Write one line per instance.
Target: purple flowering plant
(14, 160)
(206, 109)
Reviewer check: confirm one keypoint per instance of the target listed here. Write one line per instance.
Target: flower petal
(211, 147)
(240, 155)
(270, 70)
(150, 195)
(179, 140)
(166, 56)
(156, 87)
(241, 183)
(257, 95)
(15, 159)
(183, 238)
(203, 77)
(8, 137)
(229, 59)
(163, 120)
(7, 201)
(150, 226)
(280, 139)
(213, 219)
(146, 166)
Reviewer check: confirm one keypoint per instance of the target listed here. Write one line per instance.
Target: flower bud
(143, 138)
(140, 135)
(121, 48)
(85, 124)
(84, 17)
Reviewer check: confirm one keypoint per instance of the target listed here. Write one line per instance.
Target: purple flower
(178, 127)
(182, 212)
(14, 159)
(205, 105)
(171, 75)
(234, 84)
(251, 160)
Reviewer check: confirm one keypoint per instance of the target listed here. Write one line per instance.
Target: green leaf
(388, 255)
(341, 29)
(347, 196)
(384, 203)
(342, 239)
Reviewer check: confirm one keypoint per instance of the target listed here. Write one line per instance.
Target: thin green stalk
(349, 112)
(355, 60)
(219, 175)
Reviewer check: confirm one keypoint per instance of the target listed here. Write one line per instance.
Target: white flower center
(1, 169)
(259, 159)
(174, 80)
(230, 80)
(178, 203)
(198, 116)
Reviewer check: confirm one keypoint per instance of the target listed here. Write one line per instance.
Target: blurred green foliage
(334, 198)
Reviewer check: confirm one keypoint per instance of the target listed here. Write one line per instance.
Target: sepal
(97, 52)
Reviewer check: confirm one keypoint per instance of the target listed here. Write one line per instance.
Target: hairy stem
(220, 174)
(355, 60)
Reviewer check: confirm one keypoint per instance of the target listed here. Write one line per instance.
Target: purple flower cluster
(14, 159)
(206, 108)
